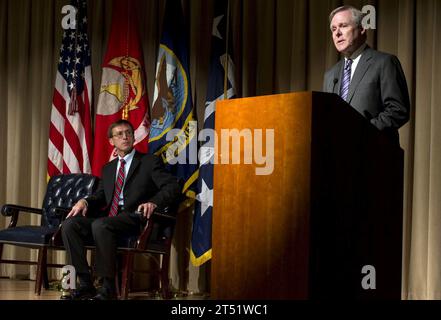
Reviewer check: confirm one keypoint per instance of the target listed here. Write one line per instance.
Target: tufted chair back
(64, 191)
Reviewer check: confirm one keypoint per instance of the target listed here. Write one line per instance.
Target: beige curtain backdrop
(279, 46)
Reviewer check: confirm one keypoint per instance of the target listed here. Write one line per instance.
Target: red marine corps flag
(123, 93)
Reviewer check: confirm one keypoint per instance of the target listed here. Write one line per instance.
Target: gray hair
(357, 15)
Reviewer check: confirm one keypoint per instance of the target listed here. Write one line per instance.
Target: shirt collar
(128, 157)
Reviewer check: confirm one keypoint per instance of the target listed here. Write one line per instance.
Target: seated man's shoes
(104, 293)
(82, 293)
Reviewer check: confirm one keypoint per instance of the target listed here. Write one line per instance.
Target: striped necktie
(118, 187)
(346, 80)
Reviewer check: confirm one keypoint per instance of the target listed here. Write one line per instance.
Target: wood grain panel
(260, 222)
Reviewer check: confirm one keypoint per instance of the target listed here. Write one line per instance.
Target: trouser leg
(105, 233)
(76, 232)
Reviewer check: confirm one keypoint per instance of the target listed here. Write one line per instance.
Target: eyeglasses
(120, 135)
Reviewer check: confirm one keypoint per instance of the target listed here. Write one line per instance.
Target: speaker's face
(347, 36)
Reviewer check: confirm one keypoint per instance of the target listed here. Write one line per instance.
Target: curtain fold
(279, 46)
(425, 254)
(3, 93)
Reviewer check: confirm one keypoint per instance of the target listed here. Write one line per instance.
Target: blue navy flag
(173, 132)
(220, 86)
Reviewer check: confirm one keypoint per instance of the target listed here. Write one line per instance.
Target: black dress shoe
(104, 294)
(82, 293)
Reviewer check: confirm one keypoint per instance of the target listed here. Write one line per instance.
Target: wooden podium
(331, 205)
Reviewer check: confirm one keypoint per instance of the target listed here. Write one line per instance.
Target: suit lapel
(339, 76)
(362, 67)
(110, 183)
(133, 166)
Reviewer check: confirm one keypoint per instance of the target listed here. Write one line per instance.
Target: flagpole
(226, 55)
(125, 111)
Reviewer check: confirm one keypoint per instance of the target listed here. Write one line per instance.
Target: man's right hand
(79, 208)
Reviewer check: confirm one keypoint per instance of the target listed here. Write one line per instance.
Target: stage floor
(24, 290)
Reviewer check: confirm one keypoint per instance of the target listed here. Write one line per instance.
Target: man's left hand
(147, 209)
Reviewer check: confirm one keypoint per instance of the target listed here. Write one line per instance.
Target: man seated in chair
(131, 182)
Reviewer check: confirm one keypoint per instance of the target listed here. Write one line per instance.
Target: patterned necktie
(118, 186)
(346, 80)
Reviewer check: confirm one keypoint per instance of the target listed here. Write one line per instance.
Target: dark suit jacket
(146, 181)
(378, 89)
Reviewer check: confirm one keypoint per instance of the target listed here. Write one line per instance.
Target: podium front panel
(260, 222)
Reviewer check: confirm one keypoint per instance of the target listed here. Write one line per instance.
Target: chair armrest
(12, 210)
(157, 215)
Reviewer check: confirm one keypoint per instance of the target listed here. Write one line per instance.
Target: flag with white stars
(221, 85)
(70, 132)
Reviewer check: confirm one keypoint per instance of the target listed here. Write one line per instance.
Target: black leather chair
(154, 240)
(62, 192)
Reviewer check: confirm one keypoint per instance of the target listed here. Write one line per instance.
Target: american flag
(70, 132)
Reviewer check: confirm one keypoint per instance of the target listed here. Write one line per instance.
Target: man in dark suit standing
(131, 182)
(372, 82)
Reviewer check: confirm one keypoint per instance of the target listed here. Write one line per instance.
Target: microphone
(335, 82)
